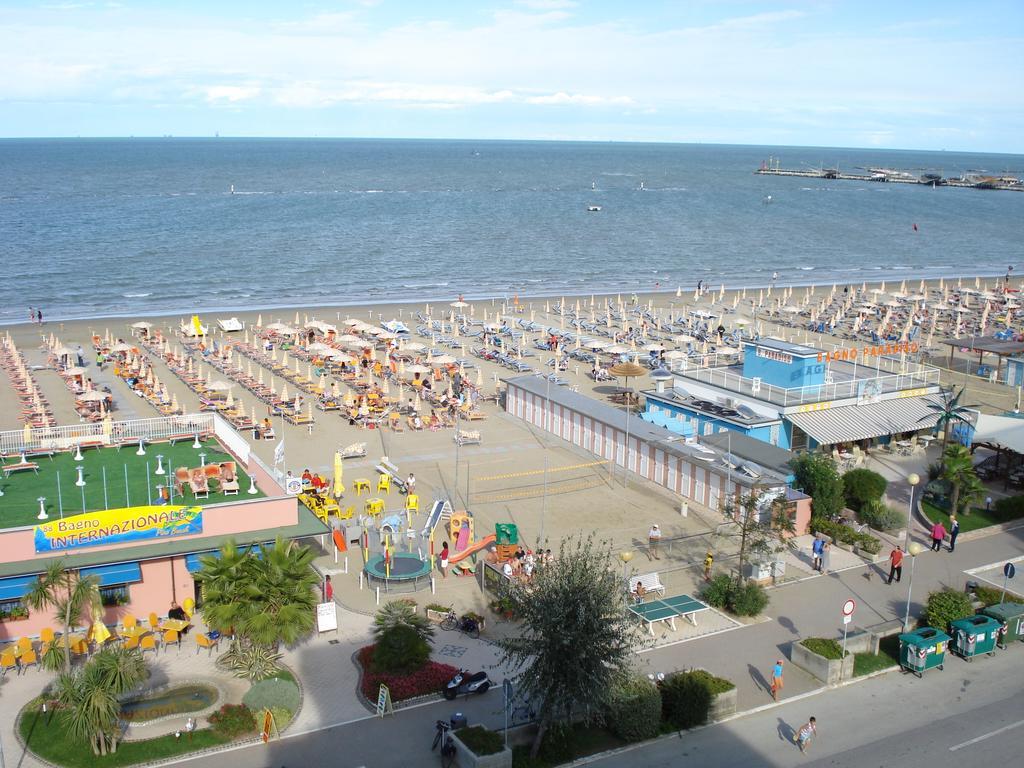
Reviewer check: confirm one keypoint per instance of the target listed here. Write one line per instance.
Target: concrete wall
(829, 671)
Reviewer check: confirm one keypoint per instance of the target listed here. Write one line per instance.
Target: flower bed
(430, 679)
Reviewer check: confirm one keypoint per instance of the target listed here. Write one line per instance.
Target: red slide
(472, 549)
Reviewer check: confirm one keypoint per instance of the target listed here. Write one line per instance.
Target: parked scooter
(464, 684)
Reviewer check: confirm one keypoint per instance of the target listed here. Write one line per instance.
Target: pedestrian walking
(816, 548)
(709, 560)
(81, 356)
(938, 534)
(988, 503)
(826, 557)
(896, 564)
(654, 540)
(444, 560)
(954, 531)
(328, 589)
(39, 316)
(31, 314)
(805, 733)
(777, 679)
(410, 483)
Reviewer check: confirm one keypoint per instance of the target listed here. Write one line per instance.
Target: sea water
(140, 226)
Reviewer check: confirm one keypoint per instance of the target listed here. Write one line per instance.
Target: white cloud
(230, 93)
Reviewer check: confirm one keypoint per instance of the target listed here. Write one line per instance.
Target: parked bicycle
(466, 624)
(443, 737)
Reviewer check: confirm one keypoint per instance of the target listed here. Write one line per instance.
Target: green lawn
(978, 518)
(19, 505)
(47, 737)
(887, 656)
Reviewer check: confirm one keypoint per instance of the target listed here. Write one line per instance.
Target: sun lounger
(466, 437)
(197, 482)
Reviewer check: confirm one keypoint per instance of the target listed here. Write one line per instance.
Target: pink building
(142, 562)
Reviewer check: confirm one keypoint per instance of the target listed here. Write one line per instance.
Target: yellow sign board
(117, 526)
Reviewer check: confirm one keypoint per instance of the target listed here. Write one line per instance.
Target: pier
(891, 176)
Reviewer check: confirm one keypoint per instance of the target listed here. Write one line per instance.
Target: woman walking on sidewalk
(938, 534)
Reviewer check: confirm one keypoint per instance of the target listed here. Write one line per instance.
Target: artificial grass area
(47, 736)
(887, 656)
(19, 505)
(978, 517)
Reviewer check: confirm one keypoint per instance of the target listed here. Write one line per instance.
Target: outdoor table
(361, 484)
(176, 624)
(374, 506)
(137, 631)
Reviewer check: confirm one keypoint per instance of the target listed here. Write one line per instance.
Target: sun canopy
(1004, 431)
(859, 422)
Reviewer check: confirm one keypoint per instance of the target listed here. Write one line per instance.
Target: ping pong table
(667, 609)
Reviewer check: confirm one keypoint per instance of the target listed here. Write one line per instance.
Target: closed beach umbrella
(338, 486)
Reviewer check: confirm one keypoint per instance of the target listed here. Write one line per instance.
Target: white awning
(1004, 431)
(860, 422)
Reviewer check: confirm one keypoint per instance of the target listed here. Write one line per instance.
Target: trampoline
(407, 569)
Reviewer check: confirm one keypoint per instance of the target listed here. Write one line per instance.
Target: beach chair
(131, 643)
(197, 482)
(466, 437)
(204, 641)
(228, 479)
(171, 637)
(180, 479)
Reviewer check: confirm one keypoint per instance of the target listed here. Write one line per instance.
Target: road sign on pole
(1009, 571)
(848, 608)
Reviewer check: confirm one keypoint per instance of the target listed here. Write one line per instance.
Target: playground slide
(433, 518)
(472, 549)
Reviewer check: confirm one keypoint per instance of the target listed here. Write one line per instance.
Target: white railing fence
(62, 438)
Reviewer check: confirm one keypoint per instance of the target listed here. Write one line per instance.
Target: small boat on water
(593, 208)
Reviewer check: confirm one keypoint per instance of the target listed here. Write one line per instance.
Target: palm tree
(958, 471)
(402, 612)
(268, 600)
(949, 412)
(69, 595)
(90, 696)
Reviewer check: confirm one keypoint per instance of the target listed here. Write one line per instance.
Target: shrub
(861, 486)
(816, 474)
(431, 678)
(992, 595)
(944, 606)
(402, 612)
(233, 720)
(1009, 508)
(400, 649)
(275, 692)
(830, 649)
(635, 711)
(438, 607)
(881, 516)
(557, 746)
(844, 534)
(685, 699)
(282, 717)
(746, 599)
(481, 741)
(718, 591)
(749, 599)
(253, 663)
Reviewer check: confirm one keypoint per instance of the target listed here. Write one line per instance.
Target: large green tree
(576, 640)
(268, 599)
(71, 598)
(89, 696)
(817, 476)
(949, 411)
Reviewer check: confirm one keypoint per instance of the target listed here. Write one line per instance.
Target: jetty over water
(895, 176)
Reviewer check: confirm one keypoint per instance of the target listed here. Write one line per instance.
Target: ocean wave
(136, 295)
(806, 269)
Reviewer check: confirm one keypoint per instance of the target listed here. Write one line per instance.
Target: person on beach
(895, 564)
(805, 733)
(443, 557)
(31, 314)
(938, 534)
(410, 483)
(39, 316)
(954, 531)
(777, 682)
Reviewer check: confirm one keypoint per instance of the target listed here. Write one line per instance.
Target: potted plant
(13, 613)
(475, 617)
(503, 607)
(437, 612)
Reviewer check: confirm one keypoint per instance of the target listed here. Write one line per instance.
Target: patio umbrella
(338, 487)
(142, 324)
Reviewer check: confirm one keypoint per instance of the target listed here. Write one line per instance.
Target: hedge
(881, 516)
(686, 697)
(861, 486)
(844, 534)
(635, 710)
(746, 599)
(1010, 508)
(944, 606)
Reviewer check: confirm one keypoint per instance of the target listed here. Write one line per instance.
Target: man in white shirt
(507, 568)
(654, 539)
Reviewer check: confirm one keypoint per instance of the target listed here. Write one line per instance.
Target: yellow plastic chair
(154, 621)
(24, 644)
(384, 484)
(147, 643)
(204, 641)
(172, 638)
(346, 513)
(374, 506)
(189, 606)
(80, 647)
(130, 621)
(8, 660)
(28, 659)
(131, 643)
(412, 503)
(46, 635)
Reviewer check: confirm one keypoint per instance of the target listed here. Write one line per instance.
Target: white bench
(651, 582)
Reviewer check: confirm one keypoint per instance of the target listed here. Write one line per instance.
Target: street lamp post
(625, 556)
(912, 480)
(913, 550)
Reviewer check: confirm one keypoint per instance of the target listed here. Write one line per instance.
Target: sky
(911, 74)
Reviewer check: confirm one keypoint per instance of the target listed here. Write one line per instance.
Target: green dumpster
(1011, 616)
(922, 649)
(974, 635)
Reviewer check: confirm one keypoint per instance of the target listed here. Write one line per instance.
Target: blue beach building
(799, 397)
